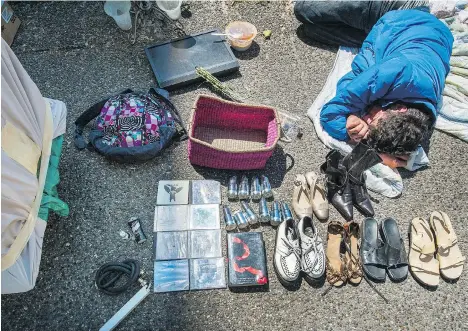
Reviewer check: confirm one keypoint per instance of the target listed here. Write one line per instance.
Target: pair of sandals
(309, 197)
(434, 250)
(383, 251)
(347, 266)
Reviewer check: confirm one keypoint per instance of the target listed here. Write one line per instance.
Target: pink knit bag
(229, 135)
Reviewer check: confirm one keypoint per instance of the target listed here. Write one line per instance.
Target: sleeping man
(391, 94)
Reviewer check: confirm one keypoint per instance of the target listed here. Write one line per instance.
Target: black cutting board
(173, 62)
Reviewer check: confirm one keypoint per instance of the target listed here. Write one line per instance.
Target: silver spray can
(275, 214)
(256, 189)
(263, 211)
(287, 214)
(241, 219)
(244, 188)
(229, 221)
(266, 187)
(232, 188)
(250, 214)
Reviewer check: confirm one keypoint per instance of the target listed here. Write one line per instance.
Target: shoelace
(292, 249)
(313, 247)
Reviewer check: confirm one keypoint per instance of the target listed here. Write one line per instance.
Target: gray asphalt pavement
(75, 53)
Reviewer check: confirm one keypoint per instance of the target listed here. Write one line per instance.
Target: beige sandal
(423, 264)
(352, 258)
(300, 198)
(450, 258)
(336, 269)
(318, 197)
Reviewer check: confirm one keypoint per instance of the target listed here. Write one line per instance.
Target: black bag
(131, 126)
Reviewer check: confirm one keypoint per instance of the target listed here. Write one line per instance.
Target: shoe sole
(312, 279)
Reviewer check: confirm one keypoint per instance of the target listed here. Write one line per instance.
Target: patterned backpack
(131, 126)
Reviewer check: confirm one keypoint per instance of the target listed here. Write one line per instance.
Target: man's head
(397, 130)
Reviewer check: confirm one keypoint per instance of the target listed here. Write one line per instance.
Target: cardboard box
(10, 23)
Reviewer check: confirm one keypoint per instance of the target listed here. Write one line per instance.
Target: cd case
(206, 192)
(173, 192)
(205, 243)
(247, 261)
(204, 217)
(171, 276)
(171, 218)
(207, 274)
(171, 245)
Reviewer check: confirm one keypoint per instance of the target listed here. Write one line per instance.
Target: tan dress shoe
(300, 198)
(318, 196)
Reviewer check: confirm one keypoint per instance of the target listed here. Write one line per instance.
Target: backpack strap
(181, 134)
(90, 114)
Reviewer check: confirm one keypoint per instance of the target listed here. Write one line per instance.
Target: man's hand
(357, 128)
(393, 161)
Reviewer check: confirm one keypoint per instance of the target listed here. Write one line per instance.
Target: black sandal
(372, 251)
(397, 259)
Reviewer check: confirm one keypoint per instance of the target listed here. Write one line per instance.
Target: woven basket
(229, 135)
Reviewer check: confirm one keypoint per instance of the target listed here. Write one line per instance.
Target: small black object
(174, 61)
(110, 273)
(247, 260)
(137, 230)
(299, 133)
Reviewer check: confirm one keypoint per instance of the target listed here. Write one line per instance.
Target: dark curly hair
(400, 133)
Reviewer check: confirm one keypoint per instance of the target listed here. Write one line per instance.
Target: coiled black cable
(109, 274)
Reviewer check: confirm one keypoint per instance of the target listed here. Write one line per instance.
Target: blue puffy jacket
(404, 58)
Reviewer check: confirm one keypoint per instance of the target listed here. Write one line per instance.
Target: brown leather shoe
(336, 269)
(352, 257)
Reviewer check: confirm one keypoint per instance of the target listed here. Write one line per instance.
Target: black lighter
(137, 230)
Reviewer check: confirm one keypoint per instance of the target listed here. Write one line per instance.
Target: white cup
(170, 7)
(120, 12)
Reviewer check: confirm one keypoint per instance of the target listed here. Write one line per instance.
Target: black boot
(339, 192)
(361, 158)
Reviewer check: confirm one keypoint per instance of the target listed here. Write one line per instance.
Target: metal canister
(244, 188)
(137, 230)
(286, 211)
(241, 219)
(256, 189)
(250, 213)
(266, 187)
(263, 211)
(228, 219)
(232, 188)
(275, 217)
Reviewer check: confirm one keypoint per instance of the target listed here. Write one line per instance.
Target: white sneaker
(312, 250)
(287, 253)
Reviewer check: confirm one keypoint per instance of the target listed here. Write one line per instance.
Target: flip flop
(318, 196)
(397, 260)
(372, 252)
(301, 198)
(450, 258)
(423, 264)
